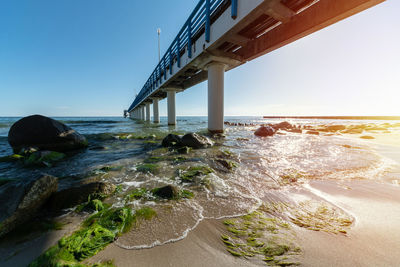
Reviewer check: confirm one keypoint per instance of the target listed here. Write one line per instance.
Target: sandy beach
(373, 240)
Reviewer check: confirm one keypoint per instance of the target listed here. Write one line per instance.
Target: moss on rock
(148, 168)
(188, 175)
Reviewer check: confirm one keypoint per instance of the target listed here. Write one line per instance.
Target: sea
(263, 165)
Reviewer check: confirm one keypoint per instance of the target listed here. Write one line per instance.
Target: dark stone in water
(184, 150)
(283, 125)
(166, 192)
(171, 140)
(294, 130)
(71, 197)
(312, 132)
(264, 131)
(45, 134)
(21, 201)
(196, 141)
(334, 128)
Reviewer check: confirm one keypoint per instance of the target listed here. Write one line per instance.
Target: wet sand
(373, 240)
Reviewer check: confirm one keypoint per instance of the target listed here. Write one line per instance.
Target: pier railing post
(216, 72)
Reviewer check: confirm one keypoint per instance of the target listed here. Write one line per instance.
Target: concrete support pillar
(156, 114)
(148, 112)
(143, 114)
(171, 107)
(216, 73)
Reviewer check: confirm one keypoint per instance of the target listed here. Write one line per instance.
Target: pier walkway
(221, 35)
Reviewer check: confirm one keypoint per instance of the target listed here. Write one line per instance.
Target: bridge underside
(270, 25)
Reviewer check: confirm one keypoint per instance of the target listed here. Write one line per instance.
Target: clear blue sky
(87, 57)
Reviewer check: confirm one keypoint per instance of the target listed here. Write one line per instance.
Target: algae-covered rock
(184, 150)
(171, 140)
(45, 134)
(71, 197)
(227, 164)
(20, 202)
(148, 168)
(188, 175)
(166, 192)
(196, 141)
(43, 158)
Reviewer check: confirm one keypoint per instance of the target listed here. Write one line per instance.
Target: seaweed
(188, 175)
(98, 231)
(148, 168)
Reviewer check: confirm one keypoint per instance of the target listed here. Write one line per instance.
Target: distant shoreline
(336, 117)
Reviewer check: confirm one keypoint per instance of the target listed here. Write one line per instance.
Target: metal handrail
(199, 18)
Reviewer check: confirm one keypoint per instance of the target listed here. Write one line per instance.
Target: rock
(171, 140)
(20, 202)
(367, 137)
(196, 141)
(312, 132)
(264, 131)
(227, 164)
(45, 134)
(294, 130)
(283, 125)
(353, 131)
(334, 128)
(166, 192)
(184, 150)
(71, 197)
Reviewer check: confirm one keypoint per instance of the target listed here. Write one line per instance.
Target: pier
(221, 35)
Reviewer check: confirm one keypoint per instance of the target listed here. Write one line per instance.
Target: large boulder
(264, 131)
(171, 140)
(21, 201)
(195, 140)
(71, 197)
(45, 134)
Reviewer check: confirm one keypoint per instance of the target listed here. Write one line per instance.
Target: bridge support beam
(148, 111)
(216, 72)
(156, 114)
(142, 113)
(171, 106)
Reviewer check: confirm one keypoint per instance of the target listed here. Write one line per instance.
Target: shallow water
(263, 165)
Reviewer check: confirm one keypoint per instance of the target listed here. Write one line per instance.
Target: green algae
(143, 193)
(148, 168)
(47, 159)
(137, 193)
(156, 159)
(185, 194)
(11, 158)
(145, 213)
(98, 231)
(188, 175)
(260, 236)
